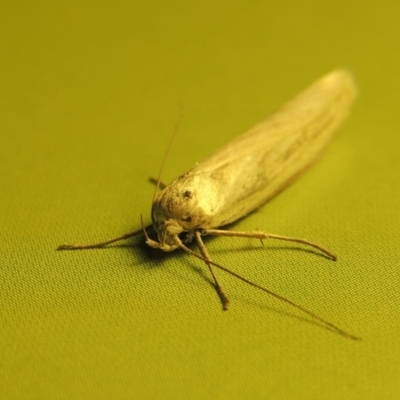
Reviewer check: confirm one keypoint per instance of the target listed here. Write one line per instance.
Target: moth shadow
(286, 314)
(150, 258)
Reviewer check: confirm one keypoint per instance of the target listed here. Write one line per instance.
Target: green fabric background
(90, 93)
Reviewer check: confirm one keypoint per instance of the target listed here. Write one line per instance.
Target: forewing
(258, 164)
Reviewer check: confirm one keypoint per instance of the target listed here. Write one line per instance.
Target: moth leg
(265, 235)
(72, 246)
(223, 297)
(162, 185)
(323, 321)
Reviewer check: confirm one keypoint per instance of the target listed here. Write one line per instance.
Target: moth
(244, 174)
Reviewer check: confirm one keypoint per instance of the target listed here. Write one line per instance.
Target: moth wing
(258, 164)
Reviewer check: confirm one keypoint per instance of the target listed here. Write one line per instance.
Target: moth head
(168, 225)
(176, 208)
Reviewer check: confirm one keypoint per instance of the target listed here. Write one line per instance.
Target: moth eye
(187, 194)
(187, 219)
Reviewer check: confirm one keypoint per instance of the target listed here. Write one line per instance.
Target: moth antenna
(166, 155)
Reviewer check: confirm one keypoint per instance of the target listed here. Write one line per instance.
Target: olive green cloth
(90, 94)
